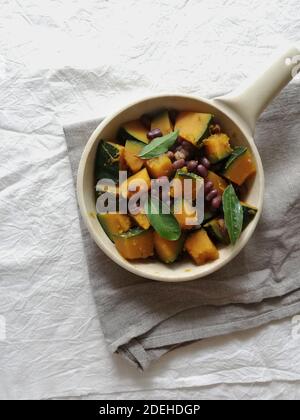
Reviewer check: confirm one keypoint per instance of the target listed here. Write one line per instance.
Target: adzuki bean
(212, 194)
(202, 171)
(216, 202)
(178, 164)
(156, 132)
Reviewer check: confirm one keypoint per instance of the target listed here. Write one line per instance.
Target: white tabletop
(67, 61)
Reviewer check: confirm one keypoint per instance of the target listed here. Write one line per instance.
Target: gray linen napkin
(143, 319)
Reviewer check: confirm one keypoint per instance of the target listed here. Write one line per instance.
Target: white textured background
(62, 61)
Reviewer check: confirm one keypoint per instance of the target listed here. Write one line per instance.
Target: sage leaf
(233, 214)
(165, 225)
(159, 145)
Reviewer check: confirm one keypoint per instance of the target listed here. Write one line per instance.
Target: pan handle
(249, 101)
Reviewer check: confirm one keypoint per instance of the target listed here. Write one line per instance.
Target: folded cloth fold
(143, 319)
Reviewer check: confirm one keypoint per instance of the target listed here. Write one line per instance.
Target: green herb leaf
(165, 225)
(159, 145)
(107, 162)
(237, 151)
(233, 214)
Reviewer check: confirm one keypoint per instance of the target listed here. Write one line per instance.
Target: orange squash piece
(193, 126)
(167, 251)
(114, 223)
(185, 215)
(136, 182)
(178, 184)
(219, 183)
(142, 220)
(241, 169)
(136, 130)
(136, 247)
(163, 122)
(132, 149)
(217, 147)
(201, 248)
(160, 166)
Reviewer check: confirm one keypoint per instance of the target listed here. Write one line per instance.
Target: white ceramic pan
(237, 112)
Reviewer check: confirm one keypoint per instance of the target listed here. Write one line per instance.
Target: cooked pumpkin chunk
(142, 220)
(218, 182)
(168, 251)
(200, 247)
(109, 160)
(135, 183)
(185, 214)
(249, 213)
(122, 163)
(217, 147)
(132, 149)
(241, 168)
(159, 166)
(217, 231)
(134, 130)
(193, 126)
(135, 244)
(114, 223)
(163, 122)
(178, 184)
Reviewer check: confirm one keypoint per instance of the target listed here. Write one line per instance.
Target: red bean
(202, 171)
(205, 162)
(192, 165)
(212, 194)
(170, 155)
(187, 145)
(208, 187)
(156, 132)
(216, 202)
(179, 164)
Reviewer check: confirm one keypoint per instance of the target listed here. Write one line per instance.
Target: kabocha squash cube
(217, 147)
(240, 168)
(185, 215)
(114, 223)
(160, 166)
(135, 244)
(122, 162)
(142, 220)
(178, 184)
(201, 248)
(219, 183)
(193, 126)
(109, 160)
(135, 182)
(217, 231)
(249, 213)
(134, 130)
(168, 251)
(132, 149)
(163, 122)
